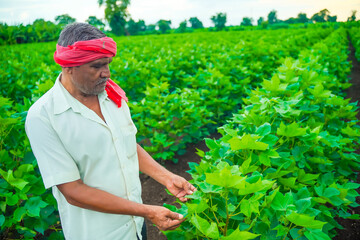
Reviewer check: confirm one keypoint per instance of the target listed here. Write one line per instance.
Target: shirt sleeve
(55, 163)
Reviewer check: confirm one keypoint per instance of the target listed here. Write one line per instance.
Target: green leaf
(34, 205)
(208, 229)
(281, 230)
(247, 142)
(303, 204)
(307, 178)
(274, 84)
(263, 130)
(16, 182)
(19, 214)
(224, 178)
(210, 143)
(319, 91)
(2, 220)
(304, 220)
(330, 192)
(264, 157)
(260, 185)
(197, 208)
(12, 200)
(292, 130)
(316, 234)
(247, 207)
(352, 132)
(282, 203)
(243, 235)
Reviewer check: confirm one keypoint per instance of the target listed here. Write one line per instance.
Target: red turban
(82, 52)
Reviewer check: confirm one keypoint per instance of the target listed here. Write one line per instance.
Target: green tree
(247, 21)
(92, 20)
(135, 28)
(182, 26)
(141, 25)
(331, 18)
(302, 18)
(64, 19)
(352, 18)
(164, 25)
(116, 14)
(132, 27)
(320, 16)
(45, 30)
(291, 20)
(260, 20)
(195, 23)
(272, 17)
(151, 27)
(219, 20)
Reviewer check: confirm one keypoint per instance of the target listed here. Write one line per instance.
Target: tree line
(118, 22)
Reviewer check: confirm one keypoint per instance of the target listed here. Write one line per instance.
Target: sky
(15, 12)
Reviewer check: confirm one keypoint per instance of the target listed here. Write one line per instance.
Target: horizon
(174, 10)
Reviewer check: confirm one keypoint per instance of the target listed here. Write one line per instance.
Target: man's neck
(90, 101)
(76, 93)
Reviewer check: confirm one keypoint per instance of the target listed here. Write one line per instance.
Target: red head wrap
(82, 52)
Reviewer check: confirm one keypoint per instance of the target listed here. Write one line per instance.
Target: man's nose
(105, 73)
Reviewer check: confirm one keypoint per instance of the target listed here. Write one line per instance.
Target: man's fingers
(175, 216)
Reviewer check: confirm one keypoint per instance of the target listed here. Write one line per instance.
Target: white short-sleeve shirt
(72, 142)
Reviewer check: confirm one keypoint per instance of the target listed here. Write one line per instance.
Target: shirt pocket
(129, 135)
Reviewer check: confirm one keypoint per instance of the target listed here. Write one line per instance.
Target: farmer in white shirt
(83, 138)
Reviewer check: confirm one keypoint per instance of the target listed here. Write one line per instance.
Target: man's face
(91, 78)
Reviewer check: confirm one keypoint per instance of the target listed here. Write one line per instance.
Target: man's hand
(179, 187)
(163, 218)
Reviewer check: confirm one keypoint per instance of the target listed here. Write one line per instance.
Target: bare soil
(351, 229)
(155, 194)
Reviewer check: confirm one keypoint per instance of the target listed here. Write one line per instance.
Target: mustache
(102, 80)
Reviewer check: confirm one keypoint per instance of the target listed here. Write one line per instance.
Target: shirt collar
(63, 100)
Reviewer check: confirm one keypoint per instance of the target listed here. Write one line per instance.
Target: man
(83, 138)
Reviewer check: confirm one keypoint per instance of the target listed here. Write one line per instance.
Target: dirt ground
(154, 193)
(351, 229)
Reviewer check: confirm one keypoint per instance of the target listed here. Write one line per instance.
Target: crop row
(180, 109)
(354, 33)
(285, 165)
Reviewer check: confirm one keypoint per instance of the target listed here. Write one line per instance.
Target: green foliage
(39, 31)
(64, 19)
(94, 21)
(286, 164)
(116, 14)
(323, 16)
(195, 23)
(182, 27)
(164, 25)
(246, 21)
(219, 20)
(272, 17)
(135, 28)
(352, 18)
(354, 34)
(25, 207)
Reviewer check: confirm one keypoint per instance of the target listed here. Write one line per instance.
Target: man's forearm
(79, 194)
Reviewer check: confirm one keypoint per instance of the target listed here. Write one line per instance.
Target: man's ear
(67, 70)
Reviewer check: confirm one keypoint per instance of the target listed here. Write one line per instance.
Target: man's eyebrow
(100, 63)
